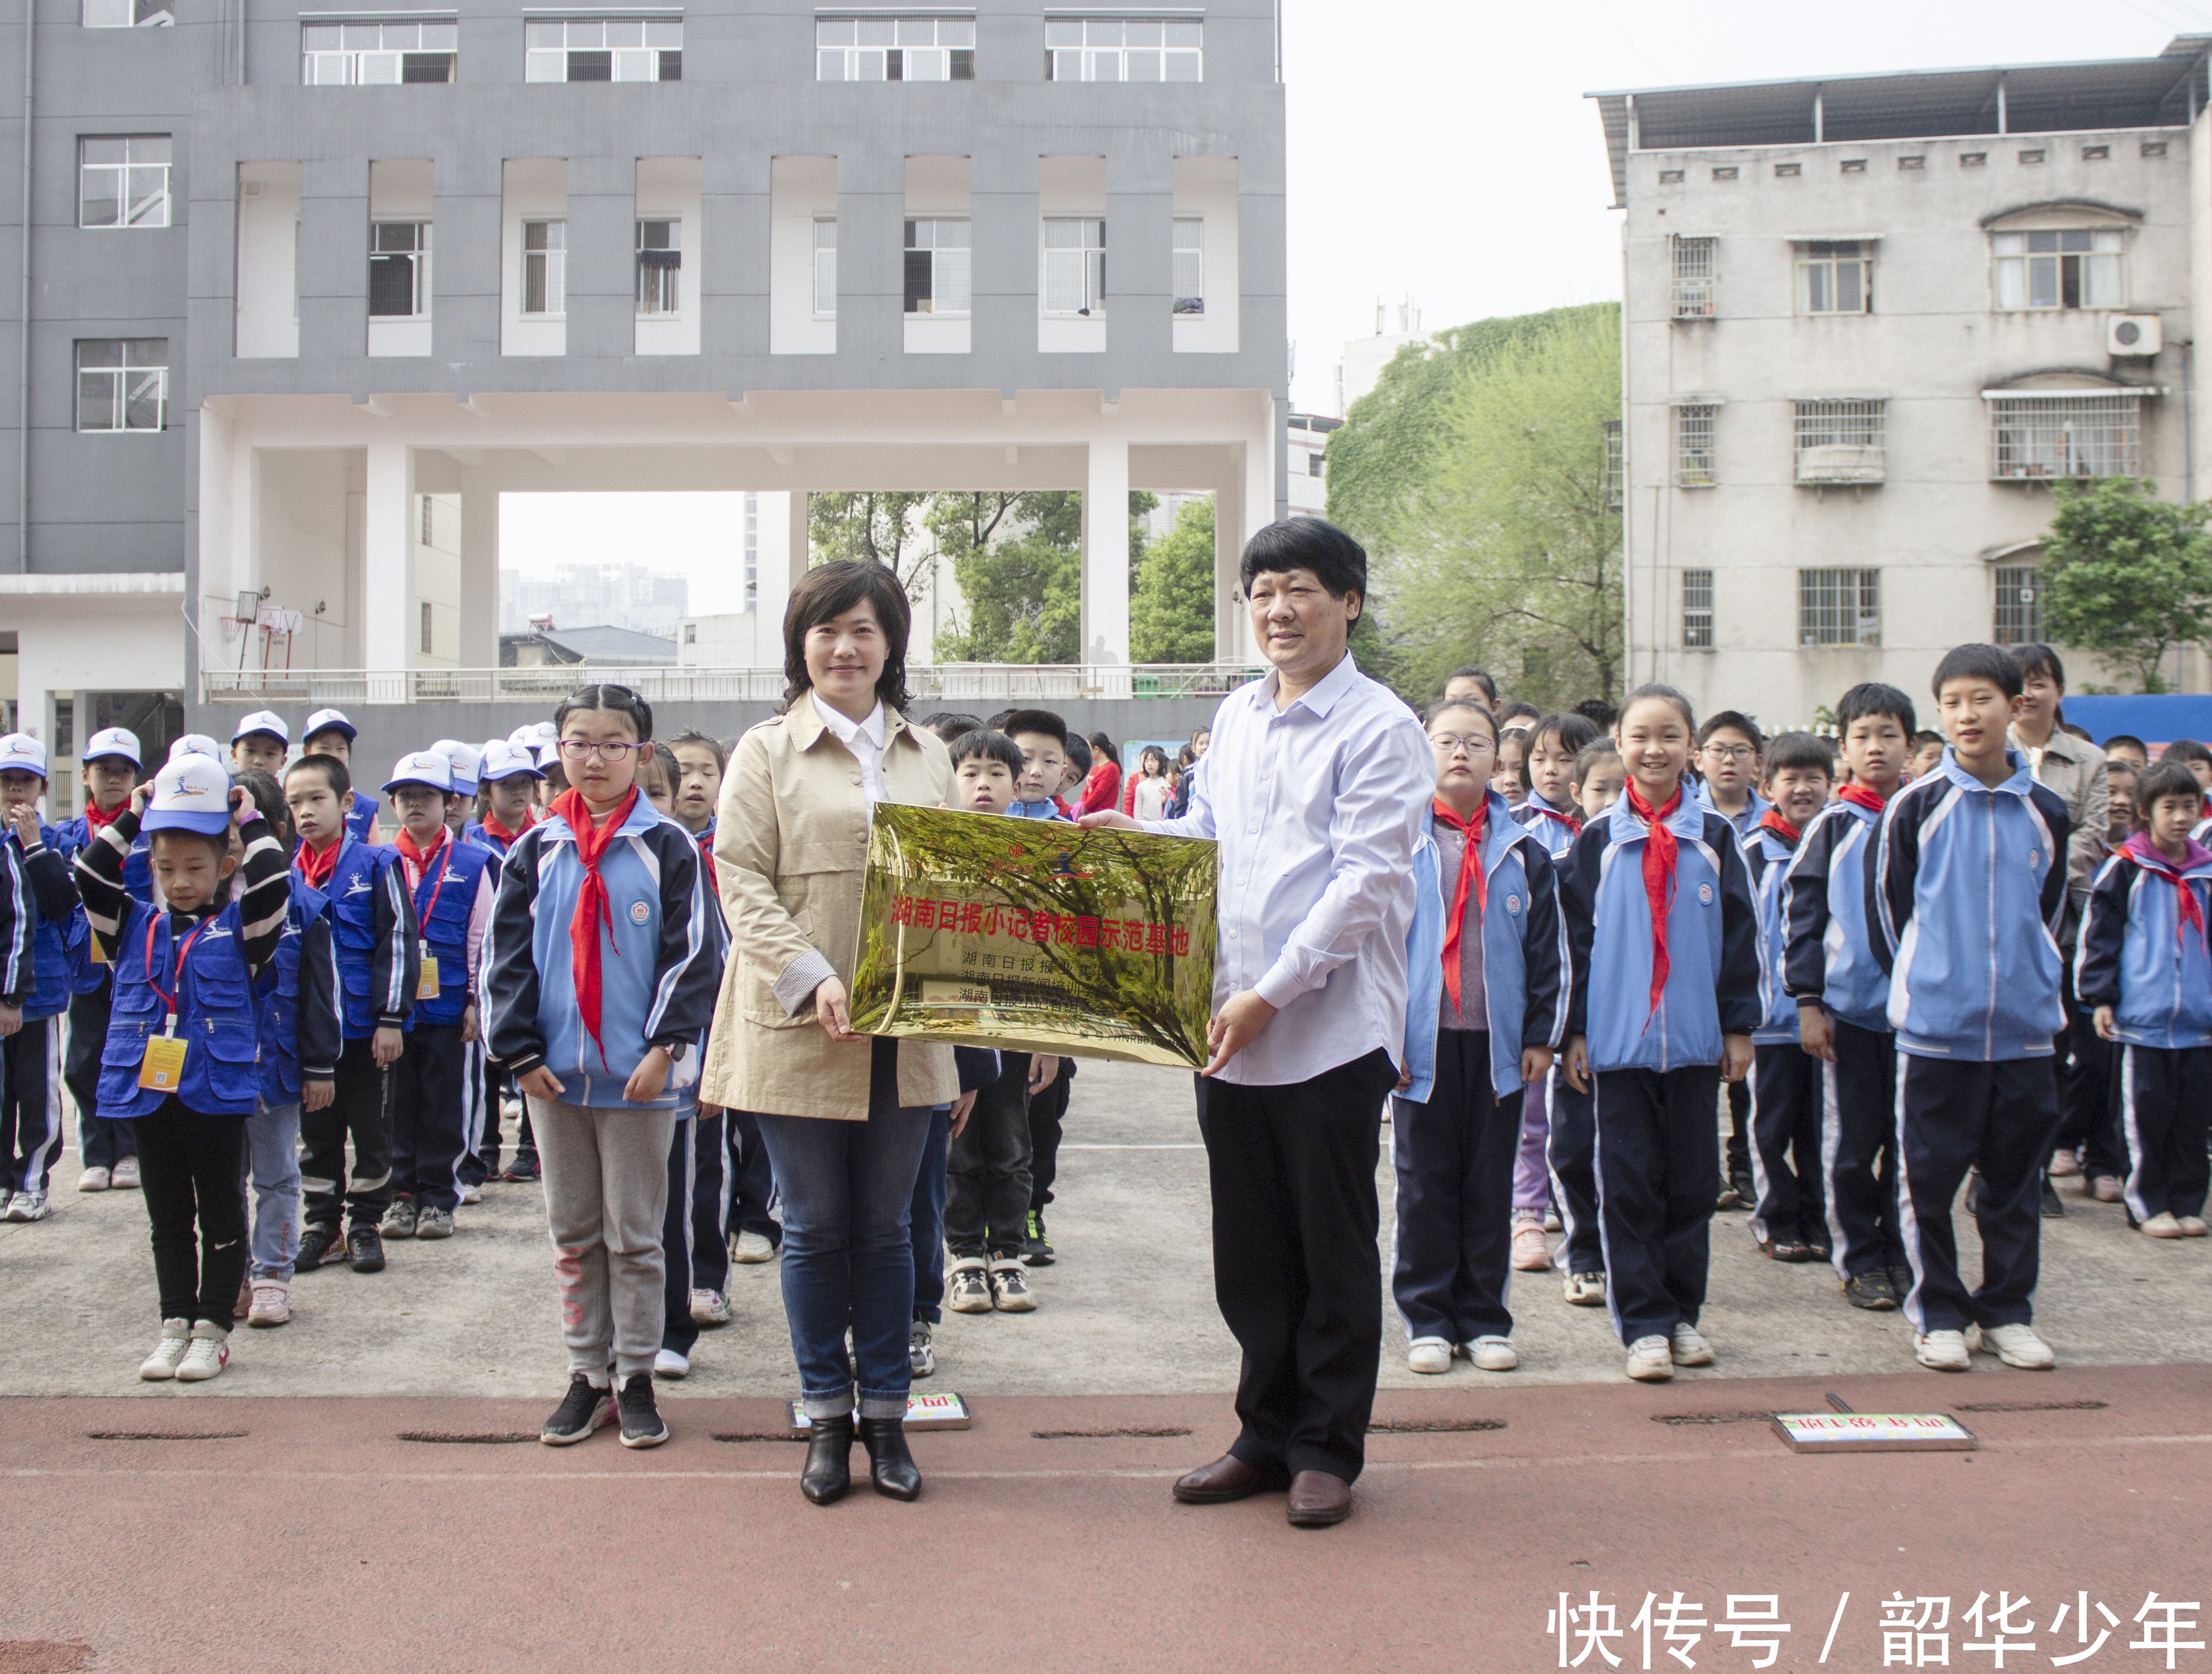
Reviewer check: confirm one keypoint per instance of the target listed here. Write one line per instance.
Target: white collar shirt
(1316, 807)
(864, 738)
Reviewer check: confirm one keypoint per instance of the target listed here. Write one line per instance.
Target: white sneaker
(669, 1364)
(272, 1304)
(2015, 1345)
(1432, 1354)
(2162, 1225)
(209, 1354)
(968, 1289)
(1586, 1290)
(472, 1194)
(1492, 1354)
(1941, 1351)
(1689, 1348)
(94, 1179)
(125, 1177)
(752, 1248)
(162, 1364)
(709, 1307)
(29, 1206)
(1650, 1360)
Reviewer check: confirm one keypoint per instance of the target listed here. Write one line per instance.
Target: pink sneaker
(271, 1304)
(2064, 1165)
(1532, 1250)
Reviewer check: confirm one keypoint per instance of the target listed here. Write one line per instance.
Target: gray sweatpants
(606, 1193)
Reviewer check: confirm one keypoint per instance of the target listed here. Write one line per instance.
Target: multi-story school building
(1870, 321)
(308, 288)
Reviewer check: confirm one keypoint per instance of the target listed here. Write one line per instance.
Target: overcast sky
(1443, 149)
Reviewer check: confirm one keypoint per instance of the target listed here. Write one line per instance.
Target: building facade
(1868, 322)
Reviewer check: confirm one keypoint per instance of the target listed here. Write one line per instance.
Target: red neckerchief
(493, 828)
(94, 820)
(1658, 876)
(1781, 828)
(1858, 793)
(592, 843)
(706, 863)
(1470, 867)
(417, 857)
(1538, 805)
(314, 869)
(2141, 850)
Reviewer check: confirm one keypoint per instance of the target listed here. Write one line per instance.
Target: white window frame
(142, 167)
(895, 49)
(1828, 268)
(1188, 259)
(825, 267)
(1694, 262)
(951, 267)
(2025, 626)
(1838, 440)
(1084, 260)
(1616, 464)
(132, 355)
(1697, 457)
(549, 263)
(2041, 437)
(382, 246)
(660, 284)
(1697, 610)
(365, 55)
(1124, 49)
(637, 49)
(2029, 268)
(1839, 607)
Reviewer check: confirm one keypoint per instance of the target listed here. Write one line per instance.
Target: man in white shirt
(1314, 787)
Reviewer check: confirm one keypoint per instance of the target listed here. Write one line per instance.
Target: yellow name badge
(163, 1069)
(426, 988)
(93, 951)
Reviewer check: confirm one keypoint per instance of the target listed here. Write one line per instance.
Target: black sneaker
(1870, 1289)
(1037, 1251)
(524, 1167)
(316, 1246)
(640, 1419)
(364, 1249)
(582, 1410)
(1900, 1281)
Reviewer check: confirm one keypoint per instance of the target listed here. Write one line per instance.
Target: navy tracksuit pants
(753, 1182)
(2165, 1098)
(1858, 1150)
(100, 1144)
(1658, 1165)
(1453, 1235)
(710, 1204)
(31, 1103)
(1999, 1119)
(1571, 1151)
(678, 1330)
(429, 1121)
(1785, 1145)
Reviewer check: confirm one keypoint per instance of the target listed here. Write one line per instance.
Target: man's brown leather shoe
(1318, 1500)
(1227, 1479)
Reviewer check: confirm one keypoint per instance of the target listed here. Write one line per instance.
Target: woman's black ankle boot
(891, 1465)
(828, 1476)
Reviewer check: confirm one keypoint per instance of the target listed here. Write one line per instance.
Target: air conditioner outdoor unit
(2133, 334)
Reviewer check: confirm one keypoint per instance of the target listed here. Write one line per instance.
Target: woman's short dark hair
(692, 734)
(618, 699)
(980, 740)
(1337, 562)
(826, 592)
(1102, 745)
(2039, 659)
(2169, 777)
(333, 770)
(268, 796)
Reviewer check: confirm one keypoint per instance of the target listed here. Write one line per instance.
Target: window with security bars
(367, 55)
(1834, 278)
(123, 180)
(825, 267)
(2086, 267)
(937, 267)
(429, 519)
(1190, 264)
(122, 383)
(1616, 465)
(752, 550)
(1839, 607)
(2032, 438)
(2018, 617)
(900, 49)
(1697, 610)
(1693, 276)
(1115, 49)
(1693, 447)
(1075, 267)
(630, 50)
(660, 267)
(399, 269)
(546, 267)
(1838, 441)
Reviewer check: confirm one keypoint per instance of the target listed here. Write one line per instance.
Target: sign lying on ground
(939, 1409)
(1874, 1432)
(1036, 934)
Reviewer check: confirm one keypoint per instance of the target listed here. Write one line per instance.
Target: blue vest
(443, 902)
(361, 818)
(214, 1017)
(351, 891)
(52, 969)
(277, 997)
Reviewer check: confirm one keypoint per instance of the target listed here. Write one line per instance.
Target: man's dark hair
(617, 699)
(268, 796)
(948, 726)
(1871, 697)
(1573, 733)
(1732, 718)
(1800, 750)
(1032, 720)
(2039, 659)
(1479, 677)
(1980, 662)
(2185, 749)
(826, 592)
(2126, 741)
(979, 741)
(692, 734)
(332, 769)
(2168, 779)
(1598, 713)
(1337, 562)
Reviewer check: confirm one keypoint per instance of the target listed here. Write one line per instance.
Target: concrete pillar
(1106, 553)
(479, 574)
(780, 514)
(1231, 635)
(389, 613)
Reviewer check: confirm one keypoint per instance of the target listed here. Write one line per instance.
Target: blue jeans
(928, 1218)
(272, 1145)
(848, 1191)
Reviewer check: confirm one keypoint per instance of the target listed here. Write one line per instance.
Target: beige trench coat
(791, 839)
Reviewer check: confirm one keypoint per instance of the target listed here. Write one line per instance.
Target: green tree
(1018, 559)
(1171, 604)
(2126, 574)
(880, 527)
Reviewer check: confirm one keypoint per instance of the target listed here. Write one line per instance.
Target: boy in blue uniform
(507, 777)
(329, 733)
(2143, 965)
(259, 743)
(1970, 883)
(1727, 762)
(379, 970)
(38, 923)
(107, 1152)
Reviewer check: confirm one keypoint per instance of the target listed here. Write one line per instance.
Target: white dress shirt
(1316, 807)
(864, 738)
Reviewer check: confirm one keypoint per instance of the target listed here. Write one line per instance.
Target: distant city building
(621, 595)
(599, 645)
(1361, 368)
(1308, 480)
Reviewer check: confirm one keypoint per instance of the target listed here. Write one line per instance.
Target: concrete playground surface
(346, 1494)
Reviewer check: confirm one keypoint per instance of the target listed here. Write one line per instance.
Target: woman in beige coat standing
(844, 1117)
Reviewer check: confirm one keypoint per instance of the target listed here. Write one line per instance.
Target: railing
(995, 684)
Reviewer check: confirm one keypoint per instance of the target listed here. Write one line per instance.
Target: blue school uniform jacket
(361, 816)
(1829, 934)
(296, 1000)
(1713, 937)
(444, 902)
(1554, 828)
(658, 969)
(42, 933)
(2137, 953)
(1525, 953)
(379, 944)
(1767, 856)
(1969, 886)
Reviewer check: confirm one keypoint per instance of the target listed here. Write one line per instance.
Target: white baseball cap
(197, 744)
(466, 759)
(21, 753)
(191, 793)
(330, 720)
(114, 741)
(264, 720)
(424, 767)
(545, 738)
(504, 760)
